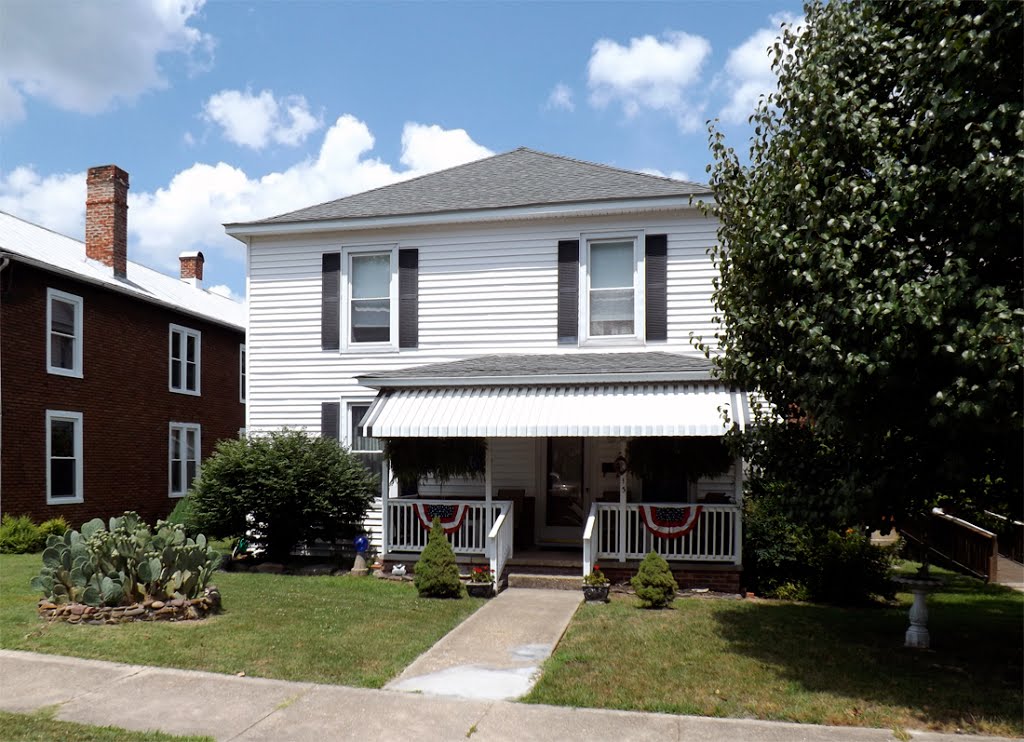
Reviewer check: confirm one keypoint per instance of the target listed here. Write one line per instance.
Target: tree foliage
(296, 487)
(871, 257)
(437, 574)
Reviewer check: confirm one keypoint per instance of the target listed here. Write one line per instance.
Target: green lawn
(42, 727)
(344, 630)
(801, 662)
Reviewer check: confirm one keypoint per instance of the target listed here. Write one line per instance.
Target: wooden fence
(957, 543)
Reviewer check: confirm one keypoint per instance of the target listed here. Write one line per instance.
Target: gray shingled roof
(567, 364)
(522, 177)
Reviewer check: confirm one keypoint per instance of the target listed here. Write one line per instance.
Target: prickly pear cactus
(125, 564)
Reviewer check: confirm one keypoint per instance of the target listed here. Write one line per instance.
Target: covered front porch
(555, 481)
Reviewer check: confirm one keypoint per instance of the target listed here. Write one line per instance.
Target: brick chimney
(192, 268)
(106, 217)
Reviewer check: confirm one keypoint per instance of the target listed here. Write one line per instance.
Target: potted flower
(595, 586)
(481, 583)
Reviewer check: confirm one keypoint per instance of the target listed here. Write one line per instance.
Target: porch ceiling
(585, 410)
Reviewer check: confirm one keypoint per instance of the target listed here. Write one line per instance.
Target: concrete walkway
(1010, 573)
(230, 708)
(496, 653)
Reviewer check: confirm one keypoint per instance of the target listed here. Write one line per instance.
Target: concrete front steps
(545, 581)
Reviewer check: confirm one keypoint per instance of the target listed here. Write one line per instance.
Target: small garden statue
(359, 568)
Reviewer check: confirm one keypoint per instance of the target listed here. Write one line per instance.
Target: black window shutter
(330, 301)
(408, 298)
(330, 420)
(656, 259)
(568, 291)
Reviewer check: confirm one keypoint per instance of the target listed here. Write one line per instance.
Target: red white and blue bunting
(451, 516)
(670, 522)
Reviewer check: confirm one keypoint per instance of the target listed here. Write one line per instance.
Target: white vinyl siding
(64, 458)
(183, 453)
(481, 290)
(184, 360)
(63, 333)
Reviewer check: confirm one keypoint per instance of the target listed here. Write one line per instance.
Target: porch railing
(590, 540)
(499, 541)
(405, 531)
(620, 533)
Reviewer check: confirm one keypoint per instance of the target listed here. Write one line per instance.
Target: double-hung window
(183, 453)
(613, 302)
(371, 298)
(185, 351)
(369, 450)
(63, 457)
(64, 333)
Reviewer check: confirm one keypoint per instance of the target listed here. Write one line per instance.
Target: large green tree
(871, 258)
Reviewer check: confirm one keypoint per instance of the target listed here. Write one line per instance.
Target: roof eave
(241, 230)
(118, 289)
(406, 382)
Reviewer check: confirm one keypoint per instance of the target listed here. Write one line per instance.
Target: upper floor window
(184, 457)
(64, 333)
(185, 348)
(63, 457)
(613, 300)
(241, 374)
(372, 298)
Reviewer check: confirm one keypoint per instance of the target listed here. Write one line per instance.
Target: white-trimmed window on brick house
(612, 276)
(370, 299)
(63, 333)
(64, 457)
(185, 351)
(184, 449)
(241, 373)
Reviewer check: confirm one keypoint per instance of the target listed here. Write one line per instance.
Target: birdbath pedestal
(920, 585)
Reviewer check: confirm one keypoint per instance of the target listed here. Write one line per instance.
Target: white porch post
(387, 491)
(488, 490)
(622, 506)
(738, 497)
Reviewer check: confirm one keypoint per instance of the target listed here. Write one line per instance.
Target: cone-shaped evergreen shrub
(437, 575)
(654, 583)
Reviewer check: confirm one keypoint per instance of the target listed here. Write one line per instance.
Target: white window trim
(347, 345)
(243, 374)
(183, 427)
(79, 497)
(185, 332)
(79, 305)
(346, 434)
(639, 289)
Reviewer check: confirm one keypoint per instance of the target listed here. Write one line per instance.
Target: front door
(567, 498)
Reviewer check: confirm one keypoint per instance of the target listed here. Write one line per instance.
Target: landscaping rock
(156, 605)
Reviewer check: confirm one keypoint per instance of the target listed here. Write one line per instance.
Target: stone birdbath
(920, 585)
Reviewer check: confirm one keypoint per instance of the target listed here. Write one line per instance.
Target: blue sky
(231, 111)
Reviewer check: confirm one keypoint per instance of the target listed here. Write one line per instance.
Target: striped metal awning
(597, 410)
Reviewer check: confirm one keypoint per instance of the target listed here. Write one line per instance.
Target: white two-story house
(542, 304)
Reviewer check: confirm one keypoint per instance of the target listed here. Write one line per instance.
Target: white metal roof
(52, 251)
(594, 410)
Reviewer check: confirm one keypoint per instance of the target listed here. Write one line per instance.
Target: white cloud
(748, 70)
(222, 289)
(649, 74)
(255, 120)
(83, 56)
(187, 213)
(429, 148)
(561, 98)
(675, 174)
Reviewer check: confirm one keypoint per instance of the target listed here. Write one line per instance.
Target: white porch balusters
(738, 499)
(387, 491)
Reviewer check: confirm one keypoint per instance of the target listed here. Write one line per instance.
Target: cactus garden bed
(175, 609)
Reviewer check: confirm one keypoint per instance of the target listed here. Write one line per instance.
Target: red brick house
(116, 380)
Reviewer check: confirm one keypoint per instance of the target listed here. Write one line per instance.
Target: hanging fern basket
(440, 459)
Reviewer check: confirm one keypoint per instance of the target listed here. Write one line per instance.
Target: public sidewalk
(231, 708)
